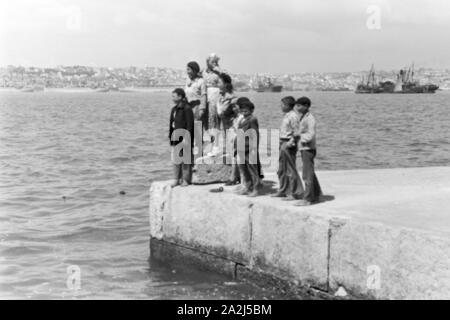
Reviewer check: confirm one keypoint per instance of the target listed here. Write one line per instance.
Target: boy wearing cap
(247, 150)
(291, 187)
(307, 147)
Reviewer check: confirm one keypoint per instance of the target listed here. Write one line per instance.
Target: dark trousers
(235, 175)
(183, 171)
(196, 109)
(250, 178)
(290, 182)
(312, 186)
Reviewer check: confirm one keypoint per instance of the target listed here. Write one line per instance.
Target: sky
(282, 36)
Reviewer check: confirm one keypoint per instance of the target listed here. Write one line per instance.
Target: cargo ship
(405, 83)
(112, 88)
(33, 88)
(267, 86)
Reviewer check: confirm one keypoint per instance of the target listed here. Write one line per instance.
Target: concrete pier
(381, 234)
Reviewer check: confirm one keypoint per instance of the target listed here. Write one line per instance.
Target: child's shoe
(231, 183)
(255, 193)
(279, 195)
(175, 183)
(303, 203)
(242, 191)
(290, 198)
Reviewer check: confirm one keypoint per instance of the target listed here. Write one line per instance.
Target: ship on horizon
(266, 85)
(32, 88)
(404, 83)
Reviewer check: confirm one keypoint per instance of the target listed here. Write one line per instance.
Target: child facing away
(181, 134)
(247, 145)
(291, 187)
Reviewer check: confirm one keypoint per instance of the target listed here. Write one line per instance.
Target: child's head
(193, 70)
(212, 61)
(178, 95)
(303, 104)
(225, 83)
(287, 104)
(237, 105)
(241, 100)
(246, 108)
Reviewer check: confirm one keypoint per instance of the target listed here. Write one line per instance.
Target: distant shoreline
(88, 90)
(149, 90)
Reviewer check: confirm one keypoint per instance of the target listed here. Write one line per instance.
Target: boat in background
(112, 88)
(34, 88)
(405, 83)
(332, 89)
(267, 85)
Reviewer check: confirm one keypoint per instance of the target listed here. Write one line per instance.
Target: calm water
(65, 158)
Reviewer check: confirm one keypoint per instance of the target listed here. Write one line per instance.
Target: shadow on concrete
(325, 198)
(207, 183)
(268, 188)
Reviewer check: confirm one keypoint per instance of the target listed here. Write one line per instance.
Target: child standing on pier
(291, 187)
(247, 144)
(181, 133)
(235, 177)
(308, 151)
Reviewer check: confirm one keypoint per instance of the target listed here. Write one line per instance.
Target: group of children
(297, 133)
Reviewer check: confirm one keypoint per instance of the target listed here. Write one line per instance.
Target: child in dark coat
(247, 145)
(181, 135)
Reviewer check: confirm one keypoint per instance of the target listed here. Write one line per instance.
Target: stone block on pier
(212, 169)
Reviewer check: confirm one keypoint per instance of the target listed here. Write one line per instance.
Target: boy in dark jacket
(247, 145)
(307, 133)
(181, 135)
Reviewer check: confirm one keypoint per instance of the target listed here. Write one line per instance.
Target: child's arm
(294, 126)
(291, 142)
(295, 134)
(308, 136)
(189, 122)
(255, 125)
(170, 125)
(203, 99)
(218, 70)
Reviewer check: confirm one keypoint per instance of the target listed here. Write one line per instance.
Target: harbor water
(75, 169)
